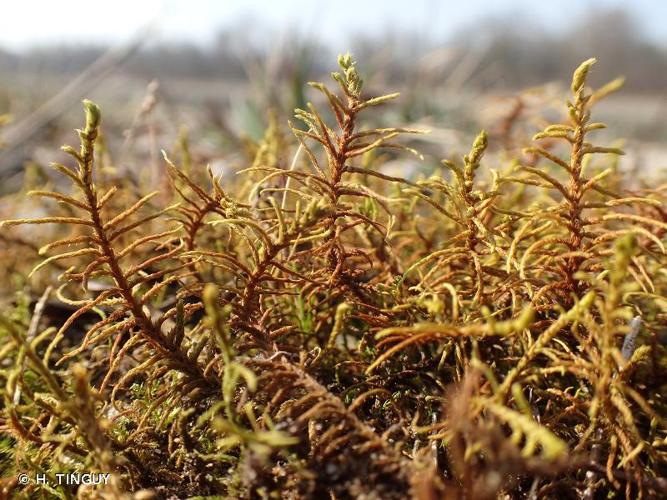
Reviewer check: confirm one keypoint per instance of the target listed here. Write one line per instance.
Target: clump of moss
(318, 328)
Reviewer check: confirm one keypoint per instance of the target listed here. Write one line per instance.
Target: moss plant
(317, 328)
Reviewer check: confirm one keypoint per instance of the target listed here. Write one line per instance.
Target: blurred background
(212, 70)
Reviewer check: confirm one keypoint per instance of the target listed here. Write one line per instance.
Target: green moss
(314, 327)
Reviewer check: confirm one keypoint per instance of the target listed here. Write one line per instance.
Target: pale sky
(26, 23)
